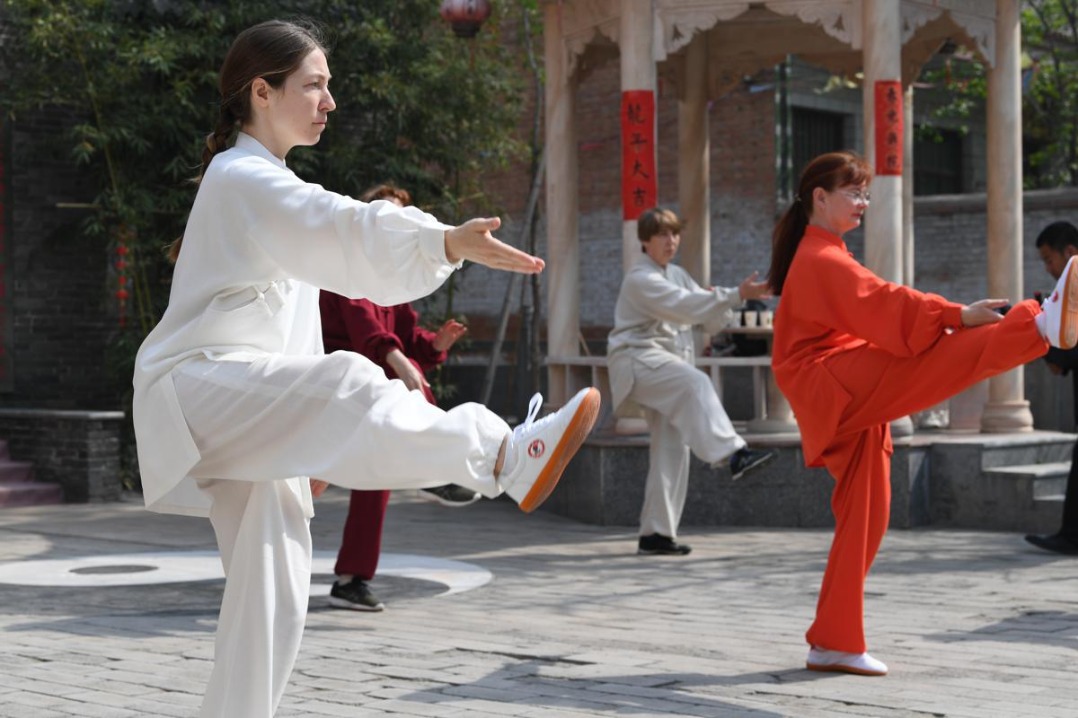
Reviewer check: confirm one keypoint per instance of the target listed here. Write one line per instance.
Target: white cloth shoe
(1061, 309)
(539, 450)
(862, 664)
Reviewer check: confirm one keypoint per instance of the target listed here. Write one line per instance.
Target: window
(937, 162)
(814, 133)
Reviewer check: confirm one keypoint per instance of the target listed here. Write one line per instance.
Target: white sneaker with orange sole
(1061, 309)
(539, 450)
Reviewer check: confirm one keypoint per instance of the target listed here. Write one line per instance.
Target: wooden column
(694, 178)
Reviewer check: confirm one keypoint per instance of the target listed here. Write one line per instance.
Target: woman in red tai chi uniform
(853, 352)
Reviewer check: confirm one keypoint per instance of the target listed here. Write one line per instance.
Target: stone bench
(770, 414)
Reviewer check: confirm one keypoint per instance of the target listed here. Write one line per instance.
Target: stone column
(907, 191)
(636, 38)
(694, 178)
(563, 240)
(882, 32)
(883, 62)
(1006, 410)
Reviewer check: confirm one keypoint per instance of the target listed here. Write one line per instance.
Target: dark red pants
(362, 542)
(885, 387)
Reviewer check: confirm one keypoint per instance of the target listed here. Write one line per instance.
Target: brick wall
(63, 315)
(742, 202)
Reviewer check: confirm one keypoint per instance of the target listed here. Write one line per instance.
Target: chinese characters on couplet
(889, 127)
(639, 188)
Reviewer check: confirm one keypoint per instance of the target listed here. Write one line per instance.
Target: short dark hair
(1058, 236)
(656, 220)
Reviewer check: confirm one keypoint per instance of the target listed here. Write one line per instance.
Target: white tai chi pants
(683, 413)
(262, 425)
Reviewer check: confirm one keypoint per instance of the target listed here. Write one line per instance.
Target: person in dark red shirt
(393, 339)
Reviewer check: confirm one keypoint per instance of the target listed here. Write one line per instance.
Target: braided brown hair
(272, 50)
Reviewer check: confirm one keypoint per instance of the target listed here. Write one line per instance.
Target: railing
(771, 412)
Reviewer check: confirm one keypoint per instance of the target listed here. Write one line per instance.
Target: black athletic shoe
(450, 495)
(745, 460)
(1056, 543)
(659, 545)
(355, 595)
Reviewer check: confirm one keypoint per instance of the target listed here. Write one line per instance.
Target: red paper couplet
(639, 185)
(889, 127)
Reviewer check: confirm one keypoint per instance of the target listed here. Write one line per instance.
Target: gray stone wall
(80, 450)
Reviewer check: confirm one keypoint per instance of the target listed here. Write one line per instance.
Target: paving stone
(574, 624)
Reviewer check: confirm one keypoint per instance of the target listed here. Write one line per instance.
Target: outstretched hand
(983, 312)
(752, 289)
(448, 334)
(473, 241)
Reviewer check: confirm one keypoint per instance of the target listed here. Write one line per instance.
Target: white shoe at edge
(1061, 309)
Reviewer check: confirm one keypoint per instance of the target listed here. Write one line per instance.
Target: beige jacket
(653, 319)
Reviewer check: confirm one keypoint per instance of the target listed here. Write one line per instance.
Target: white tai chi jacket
(259, 244)
(653, 319)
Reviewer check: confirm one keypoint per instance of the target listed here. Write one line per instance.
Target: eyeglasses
(858, 196)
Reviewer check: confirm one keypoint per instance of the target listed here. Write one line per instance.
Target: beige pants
(683, 413)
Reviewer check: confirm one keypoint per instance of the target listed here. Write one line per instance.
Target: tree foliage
(1049, 91)
(137, 79)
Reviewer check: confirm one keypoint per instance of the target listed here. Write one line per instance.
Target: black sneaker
(659, 545)
(450, 495)
(355, 595)
(1056, 543)
(745, 460)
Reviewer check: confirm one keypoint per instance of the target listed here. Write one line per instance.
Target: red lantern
(123, 235)
(465, 16)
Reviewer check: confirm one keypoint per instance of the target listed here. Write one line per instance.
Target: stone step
(29, 493)
(1037, 449)
(15, 471)
(1048, 480)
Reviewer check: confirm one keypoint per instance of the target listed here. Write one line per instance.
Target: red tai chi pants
(885, 387)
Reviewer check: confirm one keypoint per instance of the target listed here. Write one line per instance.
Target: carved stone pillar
(1006, 410)
(882, 36)
(562, 209)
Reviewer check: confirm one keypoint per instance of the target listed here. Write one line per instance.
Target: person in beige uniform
(650, 358)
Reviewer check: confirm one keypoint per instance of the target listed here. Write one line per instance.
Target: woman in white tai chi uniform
(235, 403)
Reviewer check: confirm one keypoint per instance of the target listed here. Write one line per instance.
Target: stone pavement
(572, 624)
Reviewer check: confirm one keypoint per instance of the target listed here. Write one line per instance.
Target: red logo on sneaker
(536, 449)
